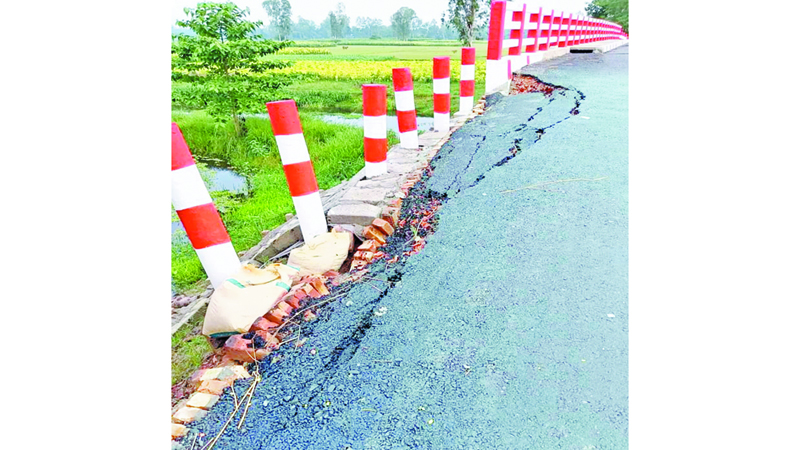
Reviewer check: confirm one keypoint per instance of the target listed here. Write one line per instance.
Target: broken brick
(214, 387)
(368, 245)
(285, 307)
(364, 255)
(383, 226)
(276, 315)
(391, 214)
(202, 400)
(188, 414)
(358, 264)
(262, 324)
(236, 348)
(330, 274)
(204, 374)
(309, 316)
(178, 430)
(293, 302)
(319, 285)
(371, 232)
(271, 340)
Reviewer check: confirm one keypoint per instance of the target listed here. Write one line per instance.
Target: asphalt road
(510, 329)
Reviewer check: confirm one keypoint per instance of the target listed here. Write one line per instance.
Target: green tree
(611, 10)
(465, 17)
(339, 21)
(401, 22)
(280, 14)
(222, 58)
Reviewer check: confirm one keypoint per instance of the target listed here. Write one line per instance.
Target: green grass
(345, 96)
(189, 347)
(336, 152)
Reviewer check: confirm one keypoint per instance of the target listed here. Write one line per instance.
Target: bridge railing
(520, 34)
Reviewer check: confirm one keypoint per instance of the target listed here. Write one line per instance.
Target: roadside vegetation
(225, 68)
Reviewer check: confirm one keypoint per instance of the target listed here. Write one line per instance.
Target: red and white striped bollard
(198, 215)
(441, 93)
(375, 143)
(297, 166)
(467, 85)
(404, 104)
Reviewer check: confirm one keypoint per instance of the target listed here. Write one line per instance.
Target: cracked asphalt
(509, 330)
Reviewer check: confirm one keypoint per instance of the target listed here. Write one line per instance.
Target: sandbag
(324, 252)
(244, 297)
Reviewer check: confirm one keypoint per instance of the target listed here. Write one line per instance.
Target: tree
(401, 22)
(368, 27)
(466, 17)
(611, 10)
(280, 14)
(219, 61)
(339, 21)
(306, 29)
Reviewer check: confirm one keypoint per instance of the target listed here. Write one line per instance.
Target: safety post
(467, 85)
(441, 93)
(404, 104)
(298, 168)
(375, 143)
(199, 216)
(496, 67)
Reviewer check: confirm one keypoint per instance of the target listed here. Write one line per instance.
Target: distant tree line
(464, 20)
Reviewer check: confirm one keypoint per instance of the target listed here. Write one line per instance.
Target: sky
(317, 10)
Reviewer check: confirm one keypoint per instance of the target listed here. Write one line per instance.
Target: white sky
(317, 10)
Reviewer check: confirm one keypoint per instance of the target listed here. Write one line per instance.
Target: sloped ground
(509, 328)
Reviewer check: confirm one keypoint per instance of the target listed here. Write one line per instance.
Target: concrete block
(400, 168)
(354, 213)
(374, 196)
(214, 387)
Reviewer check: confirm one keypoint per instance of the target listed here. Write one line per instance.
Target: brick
(271, 340)
(355, 214)
(236, 348)
(214, 387)
(331, 274)
(319, 285)
(383, 226)
(276, 315)
(364, 255)
(369, 246)
(187, 414)
(293, 302)
(373, 233)
(262, 324)
(309, 316)
(202, 400)
(204, 374)
(179, 430)
(285, 307)
(391, 214)
(358, 264)
(314, 293)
